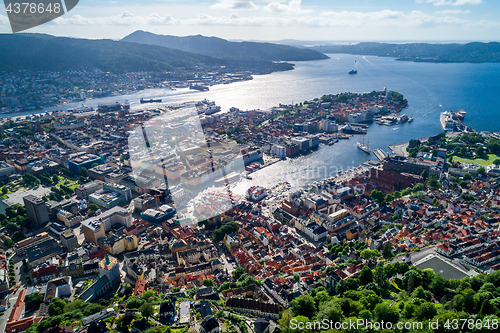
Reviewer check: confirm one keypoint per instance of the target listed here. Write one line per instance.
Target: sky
(274, 20)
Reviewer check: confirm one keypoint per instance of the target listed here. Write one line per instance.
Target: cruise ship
(447, 121)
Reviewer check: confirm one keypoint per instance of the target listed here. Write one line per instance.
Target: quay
(380, 154)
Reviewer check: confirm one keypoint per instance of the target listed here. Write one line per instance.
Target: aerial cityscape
(250, 167)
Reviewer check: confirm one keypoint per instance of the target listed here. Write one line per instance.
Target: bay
(430, 88)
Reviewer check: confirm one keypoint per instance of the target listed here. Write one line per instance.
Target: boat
(348, 129)
(364, 148)
(460, 114)
(410, 119)
(81, 109)
(150, 100)
(353, 72)
(447, 121)
(126, 105)
(198, 87)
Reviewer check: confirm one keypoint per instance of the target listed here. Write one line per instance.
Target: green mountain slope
(221, 48)
(45, 52)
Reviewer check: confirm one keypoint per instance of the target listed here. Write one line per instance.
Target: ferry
(460, 114)
(198, 87)
(81, 109)
(348, 129)
(126, 105)
(447, 121)
(353, 72)
(150, 100)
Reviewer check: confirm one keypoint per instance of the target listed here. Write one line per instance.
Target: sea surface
(430, 88)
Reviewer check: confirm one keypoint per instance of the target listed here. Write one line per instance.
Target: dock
(380, 154)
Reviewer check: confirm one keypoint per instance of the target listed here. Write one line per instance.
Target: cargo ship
(150, 100)
(198, 87)
(447, 121)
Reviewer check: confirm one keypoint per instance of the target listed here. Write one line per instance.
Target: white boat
(363, 147)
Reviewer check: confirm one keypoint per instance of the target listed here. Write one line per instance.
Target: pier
(380, 154)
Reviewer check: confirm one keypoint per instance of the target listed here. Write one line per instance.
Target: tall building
(69, 240)
(36, 209)
(96, 227)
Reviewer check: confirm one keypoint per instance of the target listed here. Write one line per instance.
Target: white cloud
(293, 7)
(453, 12)
(4, 20)
(384, 19)
(234, 5)
(451, 2)
(124, 19)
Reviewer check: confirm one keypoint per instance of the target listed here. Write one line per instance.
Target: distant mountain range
(143, 51)
(423, 52)
(223, 49)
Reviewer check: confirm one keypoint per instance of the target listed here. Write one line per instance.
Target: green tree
(377, 195)
(91, 308)
(383, 312)
(479, 151)
(93, 208)
(389, 198)
(208, 283)
(497, 162)
(84, 172)
(56, 306)
(34, 300)
(437, 284)
(18, 236)
(8, 243)
(418, 187)
(128, 289)
(365, 276)
(146, 310)
(238, 272)
(481, 171)
(467, 176)
(304, 305)
(387, 252)
(487, 308)
(330, 311)
(419, 292)
(55, 179)
(425, 310)
(425, 175)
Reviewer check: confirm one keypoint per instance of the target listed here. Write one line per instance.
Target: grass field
(480, 161)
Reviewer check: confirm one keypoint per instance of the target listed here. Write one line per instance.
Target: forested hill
(472, 52)
(45, 52)
(221, 48)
